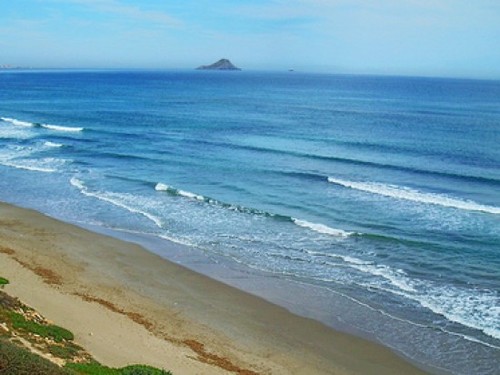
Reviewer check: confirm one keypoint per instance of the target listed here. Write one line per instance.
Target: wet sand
(126, 305)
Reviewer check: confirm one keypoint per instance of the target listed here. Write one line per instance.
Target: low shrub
(20, 361)
(67, 351)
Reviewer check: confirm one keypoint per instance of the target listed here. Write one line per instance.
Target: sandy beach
(126, 305)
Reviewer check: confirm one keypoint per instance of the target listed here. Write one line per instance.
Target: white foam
(78, 184)
(396, 277)
(190, 195)
(162, 187)
(61, 128)
(28, 167)
(52, 144)
(345, 258)
(321, 228)
(19, 157)
(16, 122)
(15, 132)
(114, 199)
(349, 259)
(177, 240)
(477, 309)
(473, 308)
(406, 193)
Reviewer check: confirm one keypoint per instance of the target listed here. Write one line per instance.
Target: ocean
(369, 203)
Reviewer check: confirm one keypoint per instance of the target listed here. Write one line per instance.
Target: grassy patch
(95, 368)
(92, 368)
(142, 370)
(57, 333)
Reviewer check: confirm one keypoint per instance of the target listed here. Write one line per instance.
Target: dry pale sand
(126, 305)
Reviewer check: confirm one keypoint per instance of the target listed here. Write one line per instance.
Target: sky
(459, 38)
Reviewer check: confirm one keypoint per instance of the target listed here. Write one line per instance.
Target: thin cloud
(328, 9)
(134, 12)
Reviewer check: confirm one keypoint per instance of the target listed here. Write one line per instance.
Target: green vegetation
(3, 282)
(20, 361)
(57, 333)
(67, 351)
(95, 368)
(142, 370)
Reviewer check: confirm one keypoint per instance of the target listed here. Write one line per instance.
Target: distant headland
(222, 64)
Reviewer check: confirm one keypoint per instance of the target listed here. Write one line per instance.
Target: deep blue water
(381, 190)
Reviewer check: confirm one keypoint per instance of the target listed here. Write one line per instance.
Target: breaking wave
(115, 199)
(321, 228)
(28, 166)
(52, 144)
(60, 128)
(472, 308)
(318, 228)
(13, 121)
(406, 193)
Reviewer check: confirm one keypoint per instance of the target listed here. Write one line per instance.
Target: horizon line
(10, 68)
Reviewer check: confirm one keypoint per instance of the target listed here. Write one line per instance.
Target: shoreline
(164, 314)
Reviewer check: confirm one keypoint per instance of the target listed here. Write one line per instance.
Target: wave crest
(182, 193)
(16, 122)
(52, 144)
(28, 167)
(321, 228)
(406, 193)
(60, 128)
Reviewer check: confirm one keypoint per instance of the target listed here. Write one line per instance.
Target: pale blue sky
(409, 37)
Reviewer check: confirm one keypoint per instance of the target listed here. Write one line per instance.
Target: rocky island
(222, 64)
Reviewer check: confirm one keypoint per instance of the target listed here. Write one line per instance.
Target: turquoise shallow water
(380, 191)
